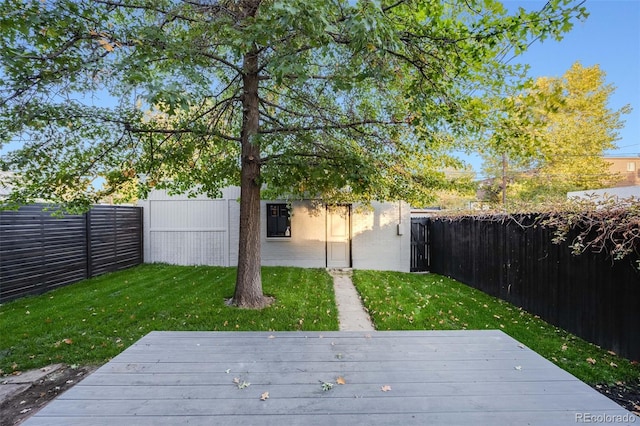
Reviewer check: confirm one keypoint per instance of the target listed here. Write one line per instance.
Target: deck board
(435, 377)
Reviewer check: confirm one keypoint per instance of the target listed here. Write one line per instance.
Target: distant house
(627, 167)
(627, 187)
(204, 231)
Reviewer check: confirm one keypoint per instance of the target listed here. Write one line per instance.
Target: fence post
(87, 236)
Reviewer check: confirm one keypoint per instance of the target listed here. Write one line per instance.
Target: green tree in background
(554, 137)
(339, 100)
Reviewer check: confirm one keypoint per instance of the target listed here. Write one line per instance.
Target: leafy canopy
(357, 100)
(554, 136)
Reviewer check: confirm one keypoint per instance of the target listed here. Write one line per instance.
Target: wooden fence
(40, 252)
(588, 295)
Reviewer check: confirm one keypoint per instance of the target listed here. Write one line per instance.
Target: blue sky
(610, 37)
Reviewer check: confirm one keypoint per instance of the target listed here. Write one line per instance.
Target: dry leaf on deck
(264, 396)
(340, 380)
(385, 388)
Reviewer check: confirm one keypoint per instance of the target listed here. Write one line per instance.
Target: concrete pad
(31, 375)
(10, 386)
(9, 391)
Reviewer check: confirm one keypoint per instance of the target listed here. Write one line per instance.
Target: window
(631, 166)
(278, 220)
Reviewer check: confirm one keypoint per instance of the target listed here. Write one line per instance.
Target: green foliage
(94, 320)
(356, 100)
(553, 136)
(400, 301)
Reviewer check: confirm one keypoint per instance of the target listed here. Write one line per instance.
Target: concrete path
(351, 314)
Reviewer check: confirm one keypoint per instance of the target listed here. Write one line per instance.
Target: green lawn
(92, 321)
(400, 301)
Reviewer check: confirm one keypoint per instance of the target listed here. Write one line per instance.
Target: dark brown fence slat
(39, 252)
(588, 295)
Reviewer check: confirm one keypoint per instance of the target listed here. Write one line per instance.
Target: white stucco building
(204, 231)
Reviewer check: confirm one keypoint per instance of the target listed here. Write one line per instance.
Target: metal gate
(420, 250)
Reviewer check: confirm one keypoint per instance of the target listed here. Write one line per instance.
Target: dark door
(420, 256)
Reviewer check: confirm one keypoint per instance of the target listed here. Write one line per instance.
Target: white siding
(186, 231)
(202, 231)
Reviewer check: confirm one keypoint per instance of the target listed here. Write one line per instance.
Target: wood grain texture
(435, 377)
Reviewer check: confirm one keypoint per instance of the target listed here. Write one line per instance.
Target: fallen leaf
(518, 367)
(26, 410)
(613, 364)
(564, 347)
(68, 341)
(244, 385)
(236, 380)
(521, 346)
(611, 353)
(591, 361)
(326, 386)
(340, 380)
(228, 370)
(271, 336)
(264, 396)
(385, 388)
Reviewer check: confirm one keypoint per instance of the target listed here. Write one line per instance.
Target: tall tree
(339, 100)
(554, 136)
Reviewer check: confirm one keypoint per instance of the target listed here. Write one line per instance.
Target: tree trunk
(248, 293)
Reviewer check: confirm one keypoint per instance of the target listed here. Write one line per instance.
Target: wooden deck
(424, 377)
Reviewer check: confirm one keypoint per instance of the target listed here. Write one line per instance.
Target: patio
(396, 377)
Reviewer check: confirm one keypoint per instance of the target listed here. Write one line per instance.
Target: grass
(400, 301)
(94, 320)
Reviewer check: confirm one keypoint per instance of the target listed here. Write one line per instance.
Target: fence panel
(116, 238)
(39, 252)
(588, 295)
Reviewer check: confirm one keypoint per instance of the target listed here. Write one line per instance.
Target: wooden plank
(533, 418)
(112, 391)
(197, 383)
(262, 366)
(319, 402)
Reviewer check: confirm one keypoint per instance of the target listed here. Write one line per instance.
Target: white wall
(375, 241)
(602, 194)
(306, 246)
(201, 231)
(186, 231)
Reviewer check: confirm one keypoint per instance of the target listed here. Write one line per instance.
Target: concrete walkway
(351, 314)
